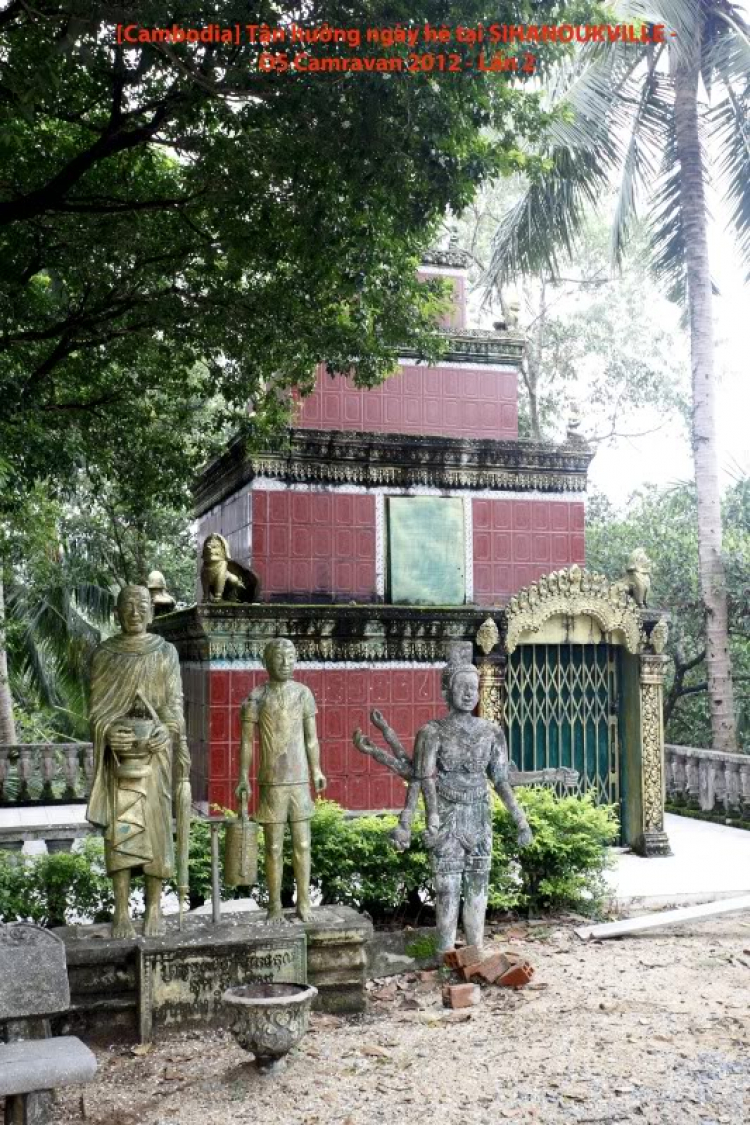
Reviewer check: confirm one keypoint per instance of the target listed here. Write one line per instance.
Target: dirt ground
(644, 1029)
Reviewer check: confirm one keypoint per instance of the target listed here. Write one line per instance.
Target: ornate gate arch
(583, 689)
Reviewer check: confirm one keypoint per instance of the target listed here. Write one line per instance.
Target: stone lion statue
(637, 580)
(223, 579)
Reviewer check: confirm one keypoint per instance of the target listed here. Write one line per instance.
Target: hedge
(355, 864)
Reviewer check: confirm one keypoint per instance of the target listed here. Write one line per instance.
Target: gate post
(653, 840)
(491, 676)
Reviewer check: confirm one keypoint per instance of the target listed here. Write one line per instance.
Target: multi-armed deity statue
(141, 760)
(284, 712)
(454, 757)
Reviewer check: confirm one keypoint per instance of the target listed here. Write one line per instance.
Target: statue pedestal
(149, 987)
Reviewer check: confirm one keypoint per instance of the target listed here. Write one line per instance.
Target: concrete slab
(659, 918)
(709, 862)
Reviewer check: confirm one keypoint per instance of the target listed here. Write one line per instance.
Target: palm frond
(55, 639)
(684, 17)
(666, 227)
(547, 218)
(639, 160)
(728, 42)
(581, 149)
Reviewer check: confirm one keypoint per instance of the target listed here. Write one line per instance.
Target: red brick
(491, 967)
(461, 995)
(517, 975)
(464, 955)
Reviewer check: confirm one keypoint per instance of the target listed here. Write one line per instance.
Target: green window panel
(426, 554)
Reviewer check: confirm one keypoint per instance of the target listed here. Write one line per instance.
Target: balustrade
(708, 780)
(45, 772)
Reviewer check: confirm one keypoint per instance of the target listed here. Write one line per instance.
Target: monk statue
(141, 759)
(454, 759)
(223, 579)
(284, 712)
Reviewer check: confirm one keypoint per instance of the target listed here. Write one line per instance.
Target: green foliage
(580, 344)
(176, 223)
(423, 948)
(354, 864)
(564, 866)
(665, 524)
(62, 560)
(53, 890)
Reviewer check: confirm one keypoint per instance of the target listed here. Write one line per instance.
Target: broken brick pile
(506, 969)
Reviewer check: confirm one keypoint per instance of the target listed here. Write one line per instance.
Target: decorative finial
(659, 636)
(487, 636)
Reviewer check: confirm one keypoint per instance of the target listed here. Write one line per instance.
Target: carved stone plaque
(184, 986)
(427, 559)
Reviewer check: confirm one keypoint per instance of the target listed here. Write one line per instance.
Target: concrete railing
(708, 780)
(45, 773)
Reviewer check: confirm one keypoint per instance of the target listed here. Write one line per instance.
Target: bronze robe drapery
(136, 813)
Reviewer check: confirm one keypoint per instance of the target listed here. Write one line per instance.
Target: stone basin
(269, 1018)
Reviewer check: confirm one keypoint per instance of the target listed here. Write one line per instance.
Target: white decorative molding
(468, 548)
(380, 544)
(410, 361)
(316, 665)
(273, 484)
(443, 271)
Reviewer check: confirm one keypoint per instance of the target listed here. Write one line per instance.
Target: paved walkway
(709, 861)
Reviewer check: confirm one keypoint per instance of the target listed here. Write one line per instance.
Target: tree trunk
(705, 453)
(7, 722)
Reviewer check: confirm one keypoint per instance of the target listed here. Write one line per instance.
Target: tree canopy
(595, 335)
(664, 523)
(167, 204)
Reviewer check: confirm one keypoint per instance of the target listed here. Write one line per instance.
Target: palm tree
(646, 118)
(55, 634)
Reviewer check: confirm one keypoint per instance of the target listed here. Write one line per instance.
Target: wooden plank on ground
(665, 918)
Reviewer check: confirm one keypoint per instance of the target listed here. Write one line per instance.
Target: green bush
(564, 866)
(55, 889)
(354, 864)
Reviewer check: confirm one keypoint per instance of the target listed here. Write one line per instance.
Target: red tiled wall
(516, 541)
(407, 697)
(314, 543)
(449, 401)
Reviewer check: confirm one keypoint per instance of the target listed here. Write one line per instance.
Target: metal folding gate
(562, 710)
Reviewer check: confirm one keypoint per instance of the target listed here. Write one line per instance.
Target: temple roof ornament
(369, 460)
(574, 593)
(452, 258)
